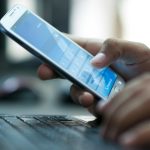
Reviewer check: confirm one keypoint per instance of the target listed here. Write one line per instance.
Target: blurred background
(21, 92)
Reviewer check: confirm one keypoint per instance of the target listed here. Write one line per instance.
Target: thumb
(111, 50)
(126, 51)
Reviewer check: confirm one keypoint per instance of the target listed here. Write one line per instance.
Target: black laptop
(50, 133)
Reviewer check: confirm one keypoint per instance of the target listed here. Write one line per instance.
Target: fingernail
(98, 60)
(127, 139)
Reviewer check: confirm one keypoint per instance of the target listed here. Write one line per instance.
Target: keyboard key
(84, 76)
(64, 62)
(12, 134)
(86, 70)
(74, 69)
(95, 78)
(106, 83)
(82, 56)
(73, 49)
(92, 83)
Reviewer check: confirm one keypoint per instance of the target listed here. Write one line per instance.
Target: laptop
(42, 132)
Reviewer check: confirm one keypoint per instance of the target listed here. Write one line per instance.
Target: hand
(128, 58)
(78, 95)
(45, 72)
(127, 115)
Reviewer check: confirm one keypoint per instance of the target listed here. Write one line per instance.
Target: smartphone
(54, 48)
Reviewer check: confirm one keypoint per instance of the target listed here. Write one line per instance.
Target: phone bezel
(13, 16)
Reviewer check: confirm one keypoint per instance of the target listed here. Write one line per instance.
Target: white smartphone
(65, 56)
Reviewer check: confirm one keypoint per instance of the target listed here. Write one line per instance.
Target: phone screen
(65, 53)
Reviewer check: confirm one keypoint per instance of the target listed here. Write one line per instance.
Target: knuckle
(112, 43)
(113, 46)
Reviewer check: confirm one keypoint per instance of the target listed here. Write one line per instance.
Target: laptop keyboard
(49, 132)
